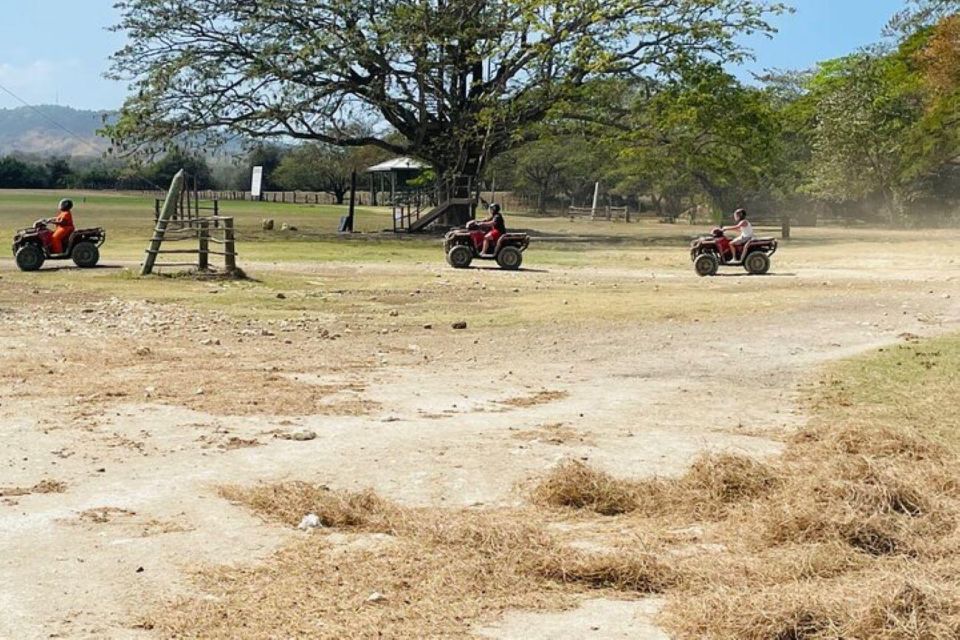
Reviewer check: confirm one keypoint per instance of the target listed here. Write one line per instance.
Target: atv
(709, 253)
(462, 246)
(83, 247)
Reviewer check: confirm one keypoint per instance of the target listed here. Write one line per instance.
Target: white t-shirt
(746, 229)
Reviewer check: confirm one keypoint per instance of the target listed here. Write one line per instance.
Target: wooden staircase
(456, 204)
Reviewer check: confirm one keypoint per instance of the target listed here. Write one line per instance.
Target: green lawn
(578, 271)
(913, 384)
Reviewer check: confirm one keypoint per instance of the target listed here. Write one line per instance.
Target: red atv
(461, 246)
(83, 247)
(710, 252)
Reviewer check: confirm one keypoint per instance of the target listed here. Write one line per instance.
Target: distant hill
(34, 130)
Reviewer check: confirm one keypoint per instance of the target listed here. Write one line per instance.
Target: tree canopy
(453, 82)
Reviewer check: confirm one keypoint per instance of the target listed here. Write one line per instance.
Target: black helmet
(65, 205)
(494, 208)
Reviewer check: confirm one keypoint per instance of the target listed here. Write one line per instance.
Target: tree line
(307, 167)
(546, 98)
(873, 135)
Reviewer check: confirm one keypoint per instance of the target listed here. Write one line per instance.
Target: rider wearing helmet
(496, 228)
(744, 227)
(64, 227)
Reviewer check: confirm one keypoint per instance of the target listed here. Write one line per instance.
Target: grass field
(770, 457)
(396, 266)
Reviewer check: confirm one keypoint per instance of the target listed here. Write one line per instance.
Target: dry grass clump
(288, 502)
(639, 572)
(883, 496)
(575, 485)
(836, 541)
(437, 572)
(44, 486)
(892, 603)
(716, 481)
(860, 542)
(706, 490)
(871, 440)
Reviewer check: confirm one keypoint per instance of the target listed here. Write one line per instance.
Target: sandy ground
(131, 410)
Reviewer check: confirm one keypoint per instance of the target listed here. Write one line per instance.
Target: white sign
(256, 183)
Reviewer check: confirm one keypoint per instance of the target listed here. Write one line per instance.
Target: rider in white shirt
(744, 227)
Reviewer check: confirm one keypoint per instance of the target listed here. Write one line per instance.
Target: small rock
(394, 313)
(280, 296)
(302, 436)
(376, 597)
(428, 326)
(310, 521)
(459, 325)
(267, 225)
(143, 351)
(198, 391)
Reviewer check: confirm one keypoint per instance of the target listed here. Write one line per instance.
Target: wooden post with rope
(169, 208)
(179, 219)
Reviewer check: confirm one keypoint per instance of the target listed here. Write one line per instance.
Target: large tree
(456, 79)
(703, 134)
(320, 167)
(866, 107)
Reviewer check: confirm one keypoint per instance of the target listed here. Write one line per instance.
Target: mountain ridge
(42, 130)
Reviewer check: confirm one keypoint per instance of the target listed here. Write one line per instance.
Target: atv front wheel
(706, 264)
(757, 263)
(85, 255)
(29, 257)
(460, 257)
(510, 258)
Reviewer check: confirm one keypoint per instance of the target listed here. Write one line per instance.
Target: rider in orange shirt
(64, 224)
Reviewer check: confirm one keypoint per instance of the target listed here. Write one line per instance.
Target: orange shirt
(64, 219)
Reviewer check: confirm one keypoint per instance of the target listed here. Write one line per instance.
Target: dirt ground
(120, 417)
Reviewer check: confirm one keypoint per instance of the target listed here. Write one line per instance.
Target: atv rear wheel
(29, 257)
(510, 258)
(460, 257)
(706, 264)
(85, 254)
(757, 263)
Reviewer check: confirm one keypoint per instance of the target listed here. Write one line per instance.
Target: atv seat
(513, 238)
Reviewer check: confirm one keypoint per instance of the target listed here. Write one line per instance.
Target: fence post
(785, 227)
(169, 208)
(203, 261)
(229, 246)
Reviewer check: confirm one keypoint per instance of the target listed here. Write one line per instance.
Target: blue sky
(55, 51)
